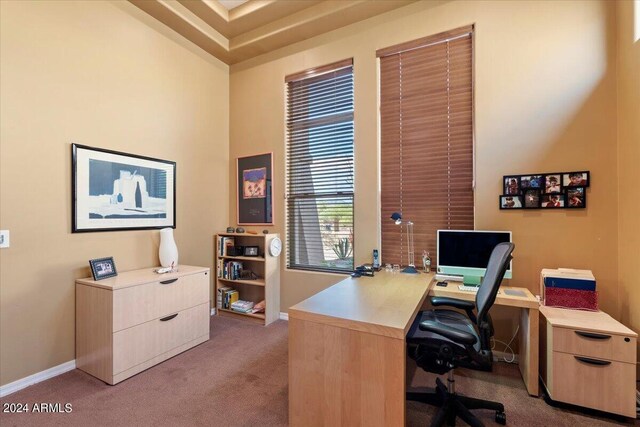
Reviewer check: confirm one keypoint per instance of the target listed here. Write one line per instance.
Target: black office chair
(441, 340)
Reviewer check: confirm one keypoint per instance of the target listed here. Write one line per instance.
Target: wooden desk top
(385, 304)
(452, 291)
(592, 321)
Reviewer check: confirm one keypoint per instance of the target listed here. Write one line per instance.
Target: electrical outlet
(4, 238)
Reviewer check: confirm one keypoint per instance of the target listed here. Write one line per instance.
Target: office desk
(528, 357)
(347, 348)
(347, 351)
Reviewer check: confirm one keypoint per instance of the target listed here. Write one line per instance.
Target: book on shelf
(242, 306)
(229, 297)
(231, 270)
(223, 244)
(220, 293)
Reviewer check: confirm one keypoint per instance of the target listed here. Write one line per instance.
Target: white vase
(168, 250)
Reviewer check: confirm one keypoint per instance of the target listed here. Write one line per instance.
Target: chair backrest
(498, 263)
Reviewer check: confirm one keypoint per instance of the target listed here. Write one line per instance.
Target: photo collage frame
(559, 190)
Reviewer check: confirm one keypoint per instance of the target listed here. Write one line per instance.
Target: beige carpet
(239, 378)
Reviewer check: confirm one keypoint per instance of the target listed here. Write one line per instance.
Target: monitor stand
(469, 280)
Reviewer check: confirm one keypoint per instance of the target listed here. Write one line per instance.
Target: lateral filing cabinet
(588, 359)
(128, 323)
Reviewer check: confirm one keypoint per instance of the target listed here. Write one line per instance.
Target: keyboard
(470, 288)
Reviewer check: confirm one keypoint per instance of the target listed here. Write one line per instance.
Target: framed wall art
(113, 191)
(558, 190)
(255, 190)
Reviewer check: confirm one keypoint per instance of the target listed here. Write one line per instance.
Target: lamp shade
(397, 217)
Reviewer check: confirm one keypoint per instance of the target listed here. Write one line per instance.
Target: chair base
(452, 405)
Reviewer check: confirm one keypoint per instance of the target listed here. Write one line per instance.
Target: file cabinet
(588, 359)
(128, 323)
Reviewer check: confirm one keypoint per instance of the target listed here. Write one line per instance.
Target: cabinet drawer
(598, 345)
(143, 342)
(138, 304)
(594, 383)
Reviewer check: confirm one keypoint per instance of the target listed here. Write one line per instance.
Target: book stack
(242, 306)
(569, 288)
(226, 297)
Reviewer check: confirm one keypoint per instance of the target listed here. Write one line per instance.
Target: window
(426, 112)
(320, 188)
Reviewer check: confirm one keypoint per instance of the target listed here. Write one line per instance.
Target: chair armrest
(453, 302)
(467, 306)
(454, 334)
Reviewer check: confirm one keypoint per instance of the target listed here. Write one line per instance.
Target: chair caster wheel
(501, 418)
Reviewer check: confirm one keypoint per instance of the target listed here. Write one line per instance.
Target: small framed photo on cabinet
(103, 268)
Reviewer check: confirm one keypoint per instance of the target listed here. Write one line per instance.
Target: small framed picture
(531, 198)
(251, 251)
(511, 185)
(553, 183)
(102, 268)
(575, 179)
(531, 181)
(508, 201)
(576, 197)
(552, 201)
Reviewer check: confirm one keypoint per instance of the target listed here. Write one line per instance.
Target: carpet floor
(239, 378)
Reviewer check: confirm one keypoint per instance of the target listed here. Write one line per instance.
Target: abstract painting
(120, 191)
(255, 199)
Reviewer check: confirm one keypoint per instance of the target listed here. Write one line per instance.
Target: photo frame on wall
(254, 200)
(557, 190)
(115, 191)
(508, 201)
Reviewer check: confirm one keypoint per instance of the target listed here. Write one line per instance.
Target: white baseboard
(37, 377)
(284, 316)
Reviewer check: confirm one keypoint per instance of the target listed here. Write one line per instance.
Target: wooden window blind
(319, 168)
(426, 110)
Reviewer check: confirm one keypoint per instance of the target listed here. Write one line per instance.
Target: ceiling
(237, 30)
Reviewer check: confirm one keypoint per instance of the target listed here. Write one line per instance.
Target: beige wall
(628, 163)
(545, 86)
(106, 75)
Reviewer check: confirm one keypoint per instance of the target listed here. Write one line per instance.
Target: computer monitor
(465, 253)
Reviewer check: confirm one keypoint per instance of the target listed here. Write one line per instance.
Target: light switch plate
(4, 238)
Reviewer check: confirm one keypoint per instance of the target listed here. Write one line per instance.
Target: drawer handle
(173, 316)
(592, 335)
(166, 282)
(592, 361)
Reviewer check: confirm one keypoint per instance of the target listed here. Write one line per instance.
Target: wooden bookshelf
(265, 266)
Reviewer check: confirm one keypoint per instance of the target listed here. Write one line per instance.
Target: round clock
(275, 246)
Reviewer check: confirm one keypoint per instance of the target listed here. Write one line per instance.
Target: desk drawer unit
(589, 362)
(127, 324)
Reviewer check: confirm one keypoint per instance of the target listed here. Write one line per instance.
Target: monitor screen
(468, 249)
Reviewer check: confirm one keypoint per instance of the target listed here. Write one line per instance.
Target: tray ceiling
(236, 30)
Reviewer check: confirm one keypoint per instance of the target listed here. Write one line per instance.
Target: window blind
(319, 168)
(426, 110)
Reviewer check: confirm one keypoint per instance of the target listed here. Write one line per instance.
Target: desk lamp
(411, 268)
